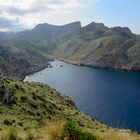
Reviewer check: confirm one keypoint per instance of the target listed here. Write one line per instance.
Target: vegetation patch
(39, 112)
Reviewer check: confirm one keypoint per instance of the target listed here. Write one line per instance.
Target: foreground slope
(34, 110)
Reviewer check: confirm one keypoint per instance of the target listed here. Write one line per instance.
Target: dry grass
(51, 131)
(118, 135)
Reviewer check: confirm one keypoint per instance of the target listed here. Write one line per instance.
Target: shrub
(87, 136)
(23, 98)
(12, 135)
(16, 86)
(7, 122)
(71, 130)
(55, 130)
(20, 124)
(30, 135)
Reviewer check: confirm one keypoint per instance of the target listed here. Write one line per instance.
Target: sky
(17, 15)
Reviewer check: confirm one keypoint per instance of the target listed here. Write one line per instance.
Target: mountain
(47, 32)
(93, 45)
(17, 59)
(36, 111)
(25, 52)
(99, 46)
(6, 35)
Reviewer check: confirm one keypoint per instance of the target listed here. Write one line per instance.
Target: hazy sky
(17, 15)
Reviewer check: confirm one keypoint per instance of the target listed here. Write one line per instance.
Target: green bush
(7, 122)
(87, 136)
(30, 135)
(73, 132)
(23, 99)
(12, 135)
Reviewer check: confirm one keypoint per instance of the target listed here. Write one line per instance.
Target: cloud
(5, 22)
(8, 25)
(28, 13)
(18, 11)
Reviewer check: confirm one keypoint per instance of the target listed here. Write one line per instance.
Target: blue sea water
(110, 96)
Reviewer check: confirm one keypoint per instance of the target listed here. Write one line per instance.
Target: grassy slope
(39, 111)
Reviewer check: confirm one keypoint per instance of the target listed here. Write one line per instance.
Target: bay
(110, 96)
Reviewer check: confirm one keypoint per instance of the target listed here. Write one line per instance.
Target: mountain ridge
(93, 45)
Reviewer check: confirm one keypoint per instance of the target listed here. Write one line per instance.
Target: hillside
(34, 110)
(47, 31)
(17, 59)
(93, 45)
(99, 46)
(45, 34)
(26, 52)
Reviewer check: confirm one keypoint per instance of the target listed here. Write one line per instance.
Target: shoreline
(22, 77)
(98, 67)
(121, 129)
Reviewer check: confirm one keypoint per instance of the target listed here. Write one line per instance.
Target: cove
(110, 96)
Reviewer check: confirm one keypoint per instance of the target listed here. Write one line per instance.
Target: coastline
(69, 112)
(120, 129)
(34, 70)
(22, 77)
(99, 67)
(37, 69)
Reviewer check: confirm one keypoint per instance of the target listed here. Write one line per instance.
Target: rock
(81, 124)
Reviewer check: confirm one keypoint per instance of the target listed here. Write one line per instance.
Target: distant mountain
(25, 52)
(47, 32)
(6, 35)
(99, 46)
(93, 45)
